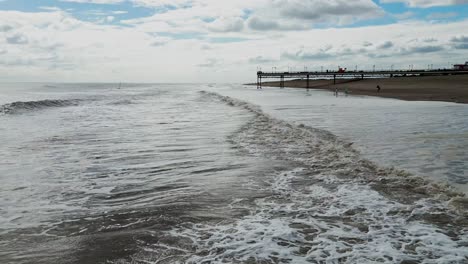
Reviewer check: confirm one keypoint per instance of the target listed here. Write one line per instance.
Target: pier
(343, 74)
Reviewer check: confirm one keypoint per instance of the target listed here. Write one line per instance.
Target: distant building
(461, 67)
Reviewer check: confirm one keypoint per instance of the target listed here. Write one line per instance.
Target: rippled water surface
(227, 174)
(426, 138)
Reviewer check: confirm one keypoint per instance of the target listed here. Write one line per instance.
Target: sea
(227, 173)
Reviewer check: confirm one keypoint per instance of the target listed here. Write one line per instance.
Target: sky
(220, 41)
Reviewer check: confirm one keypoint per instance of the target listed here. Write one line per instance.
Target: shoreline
(452, 88)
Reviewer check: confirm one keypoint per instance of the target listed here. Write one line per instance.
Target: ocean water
(429, 139)
(154, 173)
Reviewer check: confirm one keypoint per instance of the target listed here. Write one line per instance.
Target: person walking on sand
(378, 88)
(336, 91)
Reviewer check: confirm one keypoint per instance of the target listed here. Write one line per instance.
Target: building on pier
(461, 67)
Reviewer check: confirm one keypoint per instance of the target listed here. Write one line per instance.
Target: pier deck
(350, 75)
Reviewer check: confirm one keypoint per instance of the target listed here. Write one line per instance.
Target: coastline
(427, 88)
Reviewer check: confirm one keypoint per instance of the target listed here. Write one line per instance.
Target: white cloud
(211, 16)
(55, 46)
(322, 10)
(50, 8)
(16, 39)
(442, 15)
(120, 12)
(222, 24)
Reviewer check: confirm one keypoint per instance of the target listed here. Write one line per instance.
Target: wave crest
(26, 106)
(324, 151)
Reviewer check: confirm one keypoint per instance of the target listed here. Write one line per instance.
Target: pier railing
(349, 75)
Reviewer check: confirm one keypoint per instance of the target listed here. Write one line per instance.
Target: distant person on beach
(378, 88)
(336, 91)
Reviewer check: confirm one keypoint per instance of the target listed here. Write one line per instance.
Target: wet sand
(428, 88)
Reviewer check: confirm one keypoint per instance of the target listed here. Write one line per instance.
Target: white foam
(311, 225)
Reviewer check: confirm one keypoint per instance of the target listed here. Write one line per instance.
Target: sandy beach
(428, 88)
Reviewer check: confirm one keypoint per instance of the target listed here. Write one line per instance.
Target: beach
(427, 88)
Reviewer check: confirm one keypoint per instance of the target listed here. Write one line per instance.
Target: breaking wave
(122, 102)
(329, 206)
(19, 107)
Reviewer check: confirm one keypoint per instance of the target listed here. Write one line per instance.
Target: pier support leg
(362, 76)
(334, 78)
(282, 81)
(308, 82)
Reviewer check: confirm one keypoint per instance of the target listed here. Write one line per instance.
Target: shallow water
(429, 139)
(169, 174)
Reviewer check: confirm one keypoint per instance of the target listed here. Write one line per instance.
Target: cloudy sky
(222, 40)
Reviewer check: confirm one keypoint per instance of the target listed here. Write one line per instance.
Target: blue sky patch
(84, 11)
